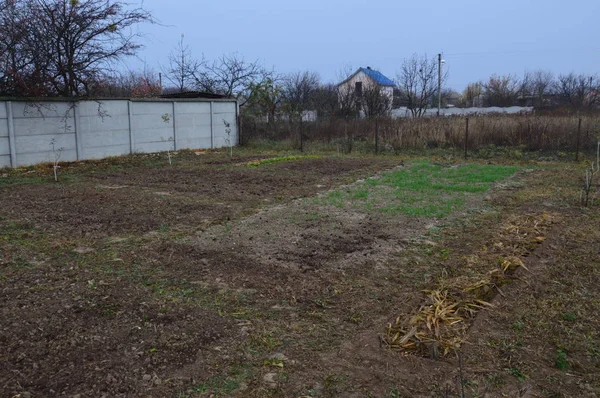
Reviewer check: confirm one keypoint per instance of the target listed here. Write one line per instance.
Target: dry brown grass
(522, 132)
(439, 326)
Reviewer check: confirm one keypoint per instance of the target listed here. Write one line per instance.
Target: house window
(358, 89)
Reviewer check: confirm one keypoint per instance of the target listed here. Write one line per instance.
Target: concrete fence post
(131, 134)
(238, 121)
(11, 134)
(78, 143)
(212, 126)
(175, 146)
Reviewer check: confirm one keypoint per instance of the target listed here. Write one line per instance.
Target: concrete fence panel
(4, 139)
(193, 125)
(94, 129)
(44, 131)
(153, 126)
(103, 128)
(225, 119)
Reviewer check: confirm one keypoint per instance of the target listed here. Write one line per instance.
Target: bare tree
(375, 102)
(265, 98)
(347, 98)
(299, 92)
(578, 91)
(232, 76)
(16, 65)
(537, 85)
(502, 90)
(183, 70)
(472, 95)
(139, 84)
(325, 100)
(417, 82)
(67, 44)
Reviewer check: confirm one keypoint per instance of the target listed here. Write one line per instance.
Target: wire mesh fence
(524, 132)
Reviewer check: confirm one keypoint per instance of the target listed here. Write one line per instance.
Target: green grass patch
(561, 361)
(222, 386)
(423, 189)
(261, 162)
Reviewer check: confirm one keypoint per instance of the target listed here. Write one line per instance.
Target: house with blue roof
(364, 79)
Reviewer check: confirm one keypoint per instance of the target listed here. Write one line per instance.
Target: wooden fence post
(301, 135)
(577, 142)
(376, 136)
(467, 138)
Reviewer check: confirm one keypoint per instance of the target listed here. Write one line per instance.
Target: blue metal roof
(378, 77)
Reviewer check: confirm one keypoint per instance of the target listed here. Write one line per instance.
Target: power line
(516, 52)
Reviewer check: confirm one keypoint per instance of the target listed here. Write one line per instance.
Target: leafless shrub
(56, 154)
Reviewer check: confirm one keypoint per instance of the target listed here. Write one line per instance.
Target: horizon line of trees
(72, 48)
(539, 88)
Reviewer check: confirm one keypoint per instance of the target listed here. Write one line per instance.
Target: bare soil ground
(210, 278)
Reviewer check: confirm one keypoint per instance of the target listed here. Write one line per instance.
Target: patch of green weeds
(335, 384)
(335, 198)
(39, 177)
(222, 386)
(592, 341)
(315, 216)
(355, 318)
(494, 380)
(217, 386)
(266, 342)
(275, 363)
(518, 326)
(110, 309)
(516, 372)
(569, 317)
(421, 190)
(561, 361)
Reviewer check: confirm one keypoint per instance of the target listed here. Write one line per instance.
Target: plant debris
(440, 325)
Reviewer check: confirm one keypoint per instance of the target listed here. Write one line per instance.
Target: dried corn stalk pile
(440, 325)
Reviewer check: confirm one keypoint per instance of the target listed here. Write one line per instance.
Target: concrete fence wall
(94, 129)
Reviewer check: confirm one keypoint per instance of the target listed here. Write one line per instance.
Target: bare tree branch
(417, 82)
(62, 47)
(298, 92)
(502, 90)
(183, 69)
(232, 76)
(578, 91)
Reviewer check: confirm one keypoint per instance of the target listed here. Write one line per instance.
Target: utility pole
(439, 83)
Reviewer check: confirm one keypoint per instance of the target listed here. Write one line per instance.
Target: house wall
(367, 83)
(96, 129)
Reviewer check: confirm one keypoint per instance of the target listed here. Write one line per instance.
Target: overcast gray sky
(478, 37)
